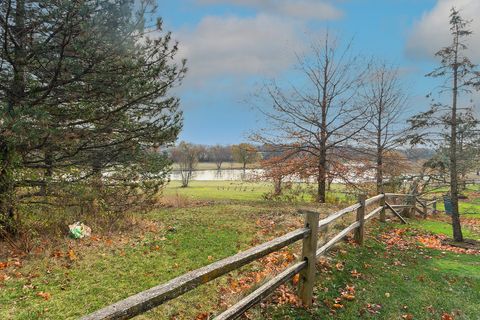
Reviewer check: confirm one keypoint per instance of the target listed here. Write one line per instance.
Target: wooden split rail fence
(153, 297)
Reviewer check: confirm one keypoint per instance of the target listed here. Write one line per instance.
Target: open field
(247, 191)
(212, 220)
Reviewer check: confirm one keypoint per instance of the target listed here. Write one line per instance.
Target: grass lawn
(219, 190)
(212, 220)
(467, 208)
(441, 227)
(245, 191)
(393, 283)
(105, 270)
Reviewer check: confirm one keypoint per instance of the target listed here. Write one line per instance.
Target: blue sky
(233, 46)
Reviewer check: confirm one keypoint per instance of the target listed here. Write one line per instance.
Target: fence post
(425, 209)
(359, 232)
(309, 250)
(382, 204)
(411, 200)
(435, 206)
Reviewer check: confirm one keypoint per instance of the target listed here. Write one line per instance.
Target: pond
(220, 175)
(252, 174)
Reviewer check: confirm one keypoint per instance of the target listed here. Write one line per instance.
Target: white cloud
(432, 32)
(299, 9)
(232, 46)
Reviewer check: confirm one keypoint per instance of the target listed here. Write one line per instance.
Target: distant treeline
(223, 152)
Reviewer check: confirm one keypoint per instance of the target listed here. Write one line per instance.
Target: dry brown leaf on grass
(349, 297)
(203, 316)
(373, 308)
(71, 255)
(3, 277)
(354, 273)
(340, 266)
(45, 295)
(446, 316)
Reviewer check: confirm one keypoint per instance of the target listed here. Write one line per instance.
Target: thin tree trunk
(17, 90)
(379, 167)
(322, 179)
(322, 165)
(48, 173)
(277, 186)
(457, 229)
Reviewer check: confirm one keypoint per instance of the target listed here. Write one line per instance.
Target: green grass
(245, 191)
(219, 190)
(105, 274)
(221, 224)
(467, 209)
(440, 227)
(423, 283)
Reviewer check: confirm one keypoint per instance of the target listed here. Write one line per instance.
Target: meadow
(208, 221)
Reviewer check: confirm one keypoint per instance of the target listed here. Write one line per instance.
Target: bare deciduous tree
(186, 157)
(386, 99)
(320, 116)
(245, 153)
(220, 154)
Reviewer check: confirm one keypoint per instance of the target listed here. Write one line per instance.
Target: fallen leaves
(271, 264)
(286, 296)
(348, 297)
(71, 255)
(340, 266)
(372, 308)
(437, 241)
(407, 316)
(355, 274)
(3, 277)
(203, 316)
(446, 316)
(45, 295)
(400, 240)
(346, 294)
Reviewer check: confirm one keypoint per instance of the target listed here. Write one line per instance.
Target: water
(252, 174)
(220, 175)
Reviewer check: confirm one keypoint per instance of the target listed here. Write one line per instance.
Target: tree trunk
(322, 179)
(7, 190)
(48, 173)
(277, 186)
(457, 229)
(379, 166)
(14, 97)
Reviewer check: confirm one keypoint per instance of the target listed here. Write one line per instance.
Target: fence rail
(153, 297)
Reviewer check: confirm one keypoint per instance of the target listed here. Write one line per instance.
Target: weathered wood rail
(153, 297)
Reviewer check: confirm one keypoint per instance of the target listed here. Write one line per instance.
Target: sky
(233, 47)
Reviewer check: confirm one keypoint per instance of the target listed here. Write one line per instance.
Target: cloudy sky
(234, 46)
